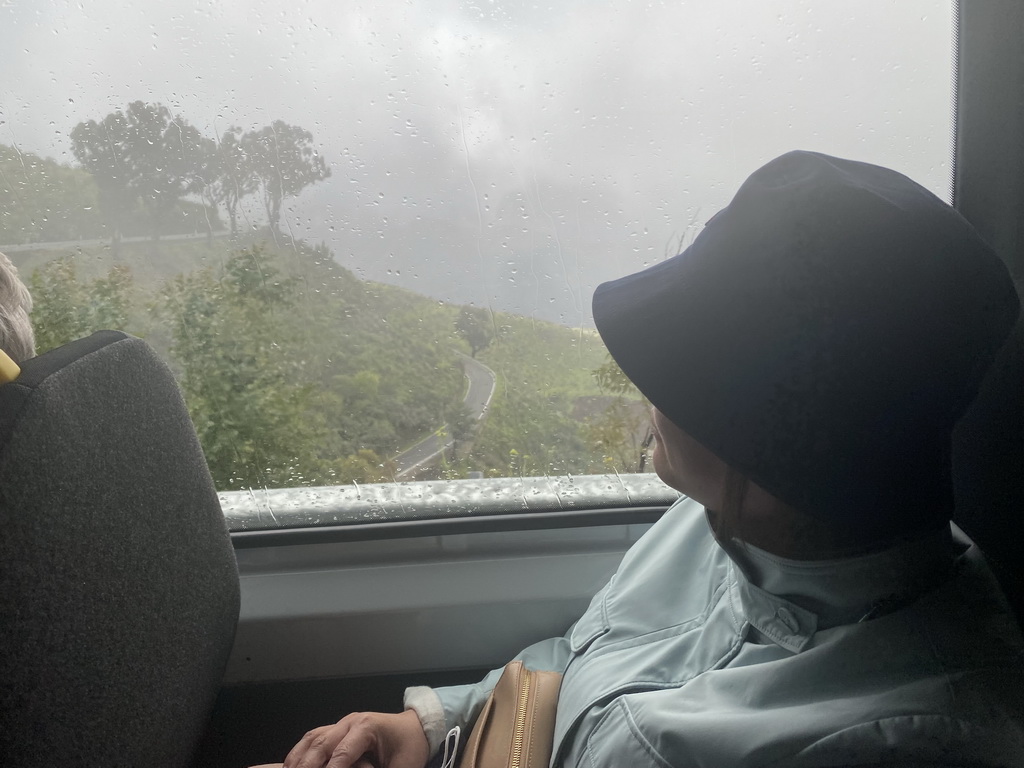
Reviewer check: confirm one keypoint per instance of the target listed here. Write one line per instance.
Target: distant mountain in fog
(516, 255)
(445, 266)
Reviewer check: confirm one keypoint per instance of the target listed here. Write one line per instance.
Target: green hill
(295, 371)
(543, 369)
(298, 373)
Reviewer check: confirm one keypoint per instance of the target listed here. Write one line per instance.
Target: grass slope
(347, 372)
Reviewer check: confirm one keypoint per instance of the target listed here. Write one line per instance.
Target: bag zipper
(519, 730)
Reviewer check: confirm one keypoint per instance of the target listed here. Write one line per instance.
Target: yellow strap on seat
(9, 369)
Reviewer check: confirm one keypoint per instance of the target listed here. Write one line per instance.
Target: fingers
(363, 740)
(315, 748)
(341, 745)
(296, 753)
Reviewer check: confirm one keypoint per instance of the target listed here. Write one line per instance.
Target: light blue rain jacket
(691, 656)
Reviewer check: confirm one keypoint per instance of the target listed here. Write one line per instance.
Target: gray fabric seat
(118, 586)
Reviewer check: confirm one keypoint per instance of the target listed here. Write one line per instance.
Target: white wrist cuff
(428, 708)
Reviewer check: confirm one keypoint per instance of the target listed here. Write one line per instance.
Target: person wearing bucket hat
(821, 336)
(807, 602)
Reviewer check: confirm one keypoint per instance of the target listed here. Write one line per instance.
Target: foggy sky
(510, 154)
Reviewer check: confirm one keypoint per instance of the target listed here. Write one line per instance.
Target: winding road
(482, 381)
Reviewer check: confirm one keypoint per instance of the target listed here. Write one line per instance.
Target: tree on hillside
(612, 380)
(233, 175)
(618, 431)
(169, 157)
(102, 149)
(475, 326)
(260, 423)
(66, 308)
(44, 201)
(284, 162)
(143, 154)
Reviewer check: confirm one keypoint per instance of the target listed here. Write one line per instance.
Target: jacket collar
(789, 600)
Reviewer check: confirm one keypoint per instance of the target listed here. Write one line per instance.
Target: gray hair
(16, 336)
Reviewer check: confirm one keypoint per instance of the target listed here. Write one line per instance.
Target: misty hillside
(44, 201)
(296, 372)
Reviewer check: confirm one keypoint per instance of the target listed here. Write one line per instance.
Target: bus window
(365, 240)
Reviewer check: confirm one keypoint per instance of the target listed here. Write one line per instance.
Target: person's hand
(363, 740)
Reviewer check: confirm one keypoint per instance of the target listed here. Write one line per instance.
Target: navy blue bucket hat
(822, 335)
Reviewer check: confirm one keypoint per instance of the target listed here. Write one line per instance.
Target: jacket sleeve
(441, 709)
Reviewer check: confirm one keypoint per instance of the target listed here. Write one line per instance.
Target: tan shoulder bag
(516, 727)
